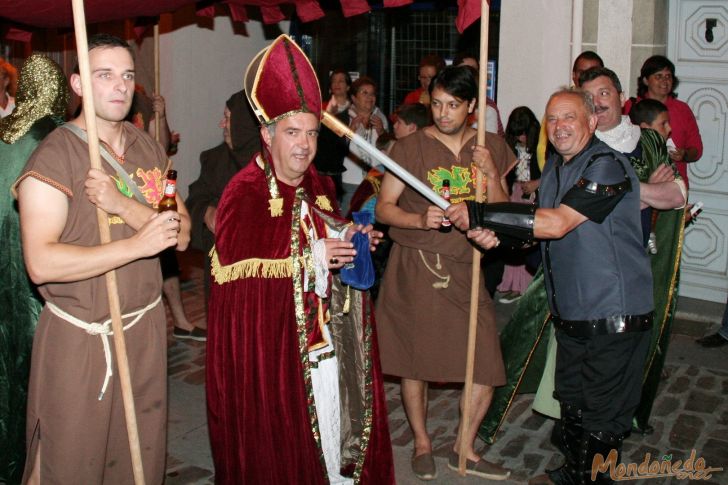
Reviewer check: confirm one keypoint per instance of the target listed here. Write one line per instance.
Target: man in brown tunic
(423, 305)
(76, 429)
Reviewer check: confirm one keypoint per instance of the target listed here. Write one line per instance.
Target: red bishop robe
(262, 323)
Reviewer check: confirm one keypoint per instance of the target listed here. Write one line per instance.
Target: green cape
(20, 305)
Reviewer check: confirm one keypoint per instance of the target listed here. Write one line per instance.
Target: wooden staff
(156, 78)
(475, 282)
(122, 363)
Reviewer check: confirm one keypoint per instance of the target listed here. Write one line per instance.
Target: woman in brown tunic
(423, 307)
(425, 310)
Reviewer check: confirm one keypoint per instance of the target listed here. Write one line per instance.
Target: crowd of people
(298, 343)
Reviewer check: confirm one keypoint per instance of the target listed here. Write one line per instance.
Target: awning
(23, 16)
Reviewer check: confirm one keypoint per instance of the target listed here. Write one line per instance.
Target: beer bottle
(169, 202)
(446, 225)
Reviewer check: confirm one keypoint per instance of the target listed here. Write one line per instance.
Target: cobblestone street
(691, 412)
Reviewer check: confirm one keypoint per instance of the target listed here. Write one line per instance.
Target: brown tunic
(84, 438)
(423, 308)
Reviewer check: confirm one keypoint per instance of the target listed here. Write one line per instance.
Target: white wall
(200, 68)
(534, 55)
(614, 40)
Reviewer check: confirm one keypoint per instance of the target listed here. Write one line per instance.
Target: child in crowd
(650, 113)
(522, 137)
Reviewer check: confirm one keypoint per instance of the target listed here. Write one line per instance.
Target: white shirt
(357, 163)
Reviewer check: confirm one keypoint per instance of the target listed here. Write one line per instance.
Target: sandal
(480, 468)
(423, 466)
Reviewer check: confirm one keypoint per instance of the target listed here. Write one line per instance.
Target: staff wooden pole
(475, 282)
(157, 125)
(122, 362)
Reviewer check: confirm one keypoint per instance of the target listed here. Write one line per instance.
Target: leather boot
(602, 443)
(571, 437)
(557, 436)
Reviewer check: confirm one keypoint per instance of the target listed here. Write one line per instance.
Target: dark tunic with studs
(599, 289)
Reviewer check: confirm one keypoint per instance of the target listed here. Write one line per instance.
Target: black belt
(604, 326)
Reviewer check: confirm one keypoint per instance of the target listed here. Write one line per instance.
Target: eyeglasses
(662, 77)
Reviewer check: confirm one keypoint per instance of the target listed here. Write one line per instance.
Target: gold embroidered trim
(275, 203)
(671, 301)
(275, 206)
(37, 176)
(522, 375)
(252, 93)
(301, 320)
(375, 181)
(119, 158)
(347, 300)
(285, 115)
(249, 268)
(376, 184)
(369, 397)
(324, 203)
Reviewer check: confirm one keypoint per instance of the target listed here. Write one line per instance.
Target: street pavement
(690, 413)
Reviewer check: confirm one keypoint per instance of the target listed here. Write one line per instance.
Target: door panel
(698, 45)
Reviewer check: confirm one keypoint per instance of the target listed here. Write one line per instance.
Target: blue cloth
(360, 272)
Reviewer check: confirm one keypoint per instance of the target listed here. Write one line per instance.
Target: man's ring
(334, 261)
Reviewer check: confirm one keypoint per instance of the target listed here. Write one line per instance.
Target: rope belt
(444, 280)
(103, 330)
